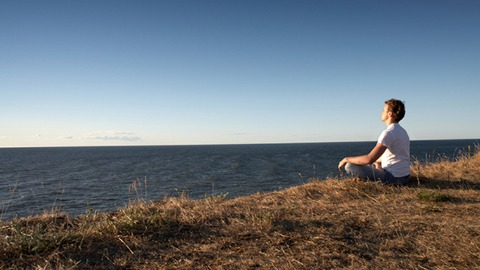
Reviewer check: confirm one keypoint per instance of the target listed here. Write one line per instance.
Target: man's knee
(348, 167)
(355, 170)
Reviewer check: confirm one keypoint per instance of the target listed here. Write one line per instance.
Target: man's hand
(378, 165)
(341, 164)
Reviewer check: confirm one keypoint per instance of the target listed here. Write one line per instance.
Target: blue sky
(76, 73)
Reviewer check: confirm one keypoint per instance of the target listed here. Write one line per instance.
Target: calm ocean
(81, 179)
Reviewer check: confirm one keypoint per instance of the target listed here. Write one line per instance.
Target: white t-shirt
(396, 158)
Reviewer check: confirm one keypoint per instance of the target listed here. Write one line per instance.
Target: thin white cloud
(117, 138)
(123, 133)
(114, 136)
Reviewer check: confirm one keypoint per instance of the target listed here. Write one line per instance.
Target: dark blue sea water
(81, 179)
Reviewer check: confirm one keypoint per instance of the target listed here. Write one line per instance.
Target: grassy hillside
(434, 223)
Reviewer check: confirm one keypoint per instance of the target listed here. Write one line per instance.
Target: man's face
(385, 113)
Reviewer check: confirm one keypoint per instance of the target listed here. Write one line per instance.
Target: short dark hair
(397, 107)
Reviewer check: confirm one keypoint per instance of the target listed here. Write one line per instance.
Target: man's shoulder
(396, 127)
(399, 132)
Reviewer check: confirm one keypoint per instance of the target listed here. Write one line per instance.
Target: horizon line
(217, 144)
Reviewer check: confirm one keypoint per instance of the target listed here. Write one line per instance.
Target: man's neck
(388, 122)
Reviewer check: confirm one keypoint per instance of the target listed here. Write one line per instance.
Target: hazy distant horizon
(231, 144)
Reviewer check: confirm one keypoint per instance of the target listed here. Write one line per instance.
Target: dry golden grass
(433, 223)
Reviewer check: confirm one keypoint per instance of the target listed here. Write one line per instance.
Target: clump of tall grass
(463, 168)
(137, 191)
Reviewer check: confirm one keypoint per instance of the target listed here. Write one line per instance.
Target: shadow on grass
(443, 184)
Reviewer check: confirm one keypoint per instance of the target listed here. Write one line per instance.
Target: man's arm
(370, 158)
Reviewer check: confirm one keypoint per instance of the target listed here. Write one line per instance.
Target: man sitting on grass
(389, 160)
